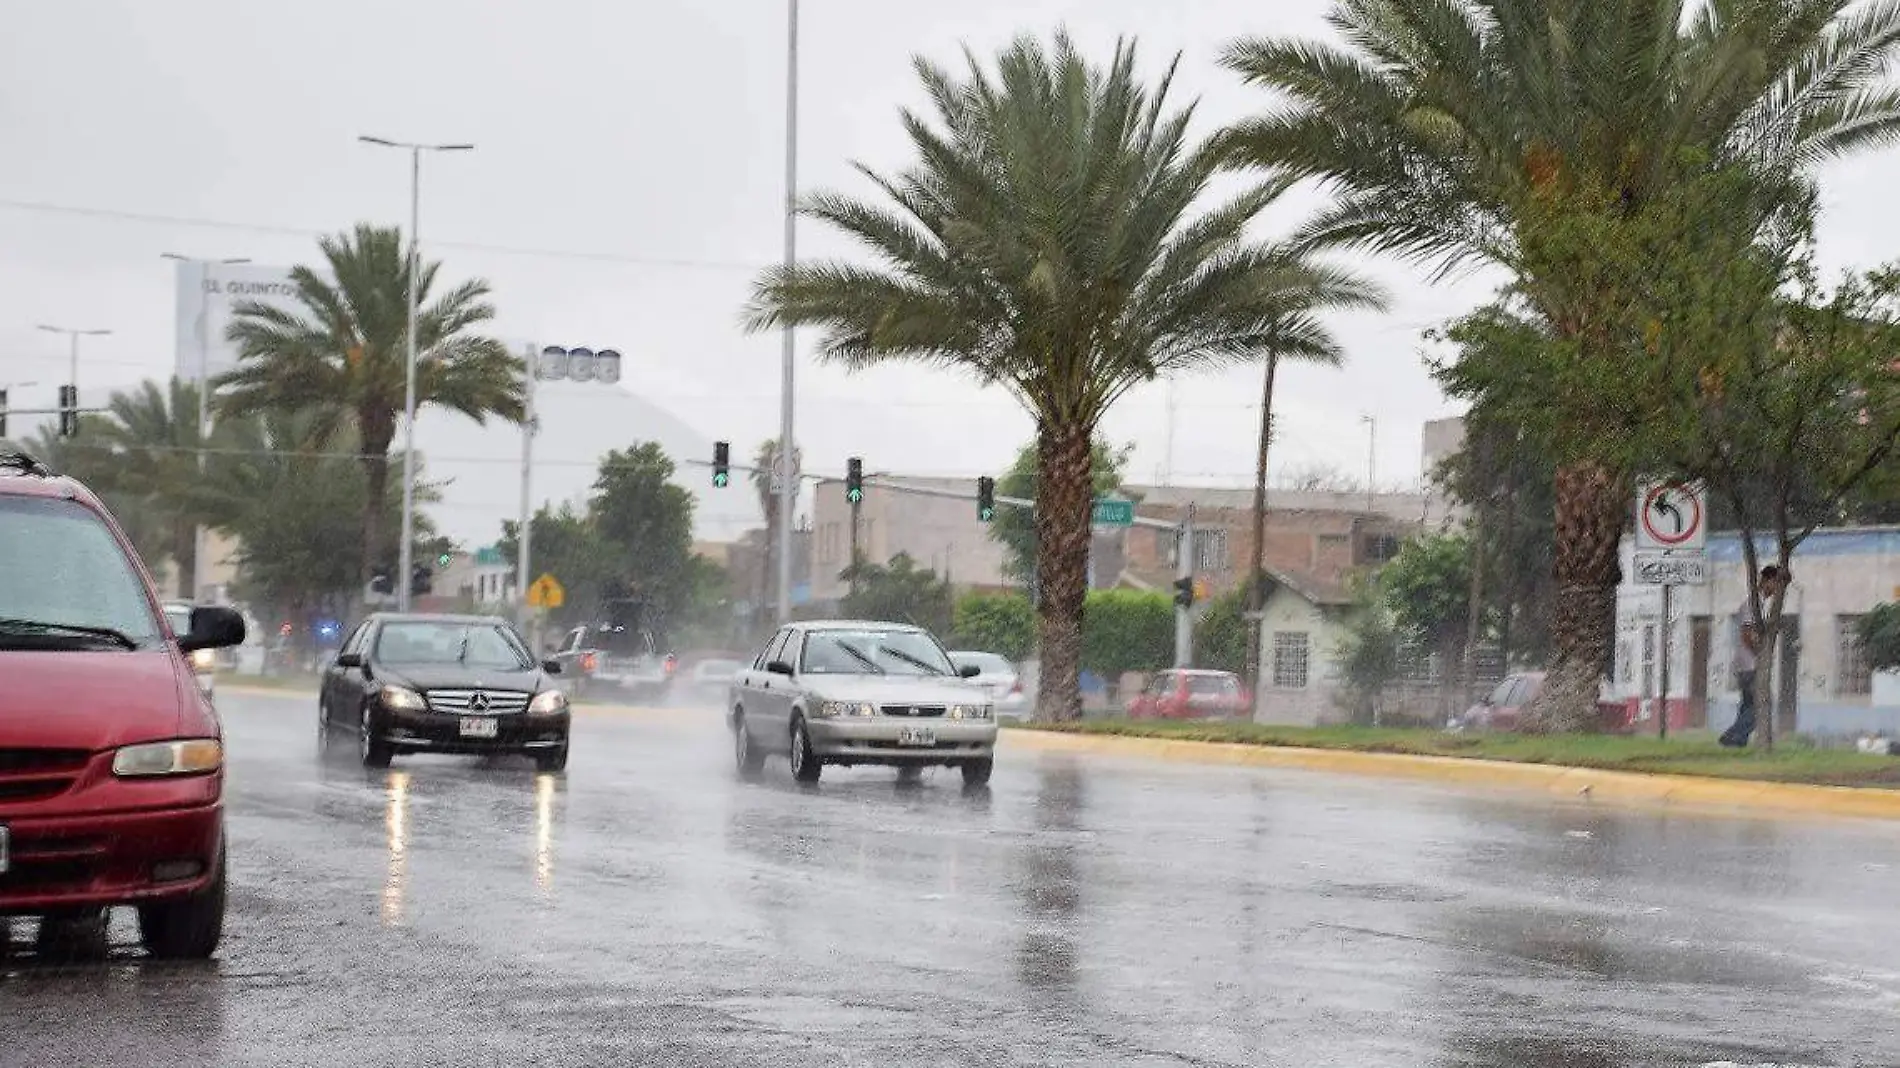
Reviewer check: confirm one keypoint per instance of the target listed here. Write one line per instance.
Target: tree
(344, 352)
(1224, 639)
(1015, 528)
(1126, 630)
(84, 457)
(1000, 623)
(1369, 651)
(1426, 588)
(648, 522)
(1454, 131)
(1880, 635)
(901, 592)
(1056, 239)
(569, 546)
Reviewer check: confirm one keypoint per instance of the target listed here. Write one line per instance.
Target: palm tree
(763, 463)
(345, 350)
(1452, 129)
(1055, 239)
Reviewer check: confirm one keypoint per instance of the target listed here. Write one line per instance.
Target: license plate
(917, 736)
(478, 727)
(5, 849)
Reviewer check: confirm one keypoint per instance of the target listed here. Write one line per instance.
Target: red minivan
(111, 758)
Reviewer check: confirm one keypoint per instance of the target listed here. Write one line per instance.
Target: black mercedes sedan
(443, 684)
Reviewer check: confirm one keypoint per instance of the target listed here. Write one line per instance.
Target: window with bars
(1210, 550)
(1292, 663)
(1378, 548)
(1853, 674)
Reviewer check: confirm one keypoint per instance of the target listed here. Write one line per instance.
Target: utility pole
(1184, 614)
(524, 533)
(787, 486)
(1372, 456)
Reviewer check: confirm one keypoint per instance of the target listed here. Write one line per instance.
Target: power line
(155, 219)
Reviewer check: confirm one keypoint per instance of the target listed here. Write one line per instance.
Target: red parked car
(1503, 708)
(111, 758)
(1187, 693)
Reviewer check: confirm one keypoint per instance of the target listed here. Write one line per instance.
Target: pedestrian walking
(1748, 646)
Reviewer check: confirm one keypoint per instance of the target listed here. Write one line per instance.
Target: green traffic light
(986, 514)
(720, 478)
(443, 560)
(854, 495)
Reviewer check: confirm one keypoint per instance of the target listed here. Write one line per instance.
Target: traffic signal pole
(1184, 572)
(524, 534)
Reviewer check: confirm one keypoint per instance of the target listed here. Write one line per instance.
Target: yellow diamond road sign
(545, 592)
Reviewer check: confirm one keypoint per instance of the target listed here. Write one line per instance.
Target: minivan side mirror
(349, 660)
(969, 671)
(551, 666)
(780, 667)
(213, 627)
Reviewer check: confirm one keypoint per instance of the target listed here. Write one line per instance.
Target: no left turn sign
(1671, 515)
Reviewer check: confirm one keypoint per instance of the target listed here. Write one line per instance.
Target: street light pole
(405, 566)
(788, 486)
(1372, 453)
(203, 331)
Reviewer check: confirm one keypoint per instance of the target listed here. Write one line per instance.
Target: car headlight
(833, 709)
(969, 711)
(193, 756)
(547, 703)
(398, 699)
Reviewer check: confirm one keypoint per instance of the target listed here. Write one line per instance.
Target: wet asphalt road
(649, 909)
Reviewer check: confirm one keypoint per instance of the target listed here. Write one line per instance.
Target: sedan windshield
(64, 581)
(444, 642)
(874, 652)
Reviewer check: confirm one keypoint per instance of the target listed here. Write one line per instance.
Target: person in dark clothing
(1749, 642)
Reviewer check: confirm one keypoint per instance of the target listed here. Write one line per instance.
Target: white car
(1000, 679)
(204, 662)
(849, 693)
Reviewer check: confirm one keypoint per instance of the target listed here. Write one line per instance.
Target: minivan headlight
(398, 699)
(191, 756)
(547, 703)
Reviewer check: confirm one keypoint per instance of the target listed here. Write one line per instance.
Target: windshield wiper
(860, 656)
(461, 656)
(909, 659)
(41, 627)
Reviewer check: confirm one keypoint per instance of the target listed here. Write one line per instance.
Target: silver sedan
(842, 692)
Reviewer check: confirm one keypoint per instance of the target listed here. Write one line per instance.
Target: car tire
(375, 752)
(806, 767)
(746, 754)
(188, 929)
(977, 772)
(909, 774)
(552, 761)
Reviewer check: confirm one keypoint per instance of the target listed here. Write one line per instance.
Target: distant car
(204, 662)
(998, 678)
(444, 684)
(1503, 708)
(1185, 693)
(710, 679)
(843, 692)
(111, 759)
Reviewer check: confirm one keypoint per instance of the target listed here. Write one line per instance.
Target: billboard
(206, 294)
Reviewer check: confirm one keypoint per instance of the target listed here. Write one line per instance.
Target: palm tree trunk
(1064, 485)
(376, 484)
(185, 554)
(1591, 509)
(1257, 551)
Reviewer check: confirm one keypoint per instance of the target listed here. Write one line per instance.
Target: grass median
(1696, 754)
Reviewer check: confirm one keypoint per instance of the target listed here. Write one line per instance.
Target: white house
(1839, 574)
(1302, 625)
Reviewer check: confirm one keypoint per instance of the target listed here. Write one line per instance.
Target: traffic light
(722, 464)
(379, 581)
(986, 498)
(68, 411)
(854, 480)
(421, 581)
(1184, 592)
(3, 413)
(443, 560)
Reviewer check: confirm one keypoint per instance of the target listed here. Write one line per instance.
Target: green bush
(1127, 630)
(1880, 633)
(1220, 634)
(1000, 623)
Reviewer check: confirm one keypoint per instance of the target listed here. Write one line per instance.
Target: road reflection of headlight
(396, 824)
(544, 833)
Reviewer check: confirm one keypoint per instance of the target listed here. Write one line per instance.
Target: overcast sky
(627, 185)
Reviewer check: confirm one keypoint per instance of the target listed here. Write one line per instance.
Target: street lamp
(788, 486)
(1372, 452)
(406, 554)
(72, 377)
(204, 411)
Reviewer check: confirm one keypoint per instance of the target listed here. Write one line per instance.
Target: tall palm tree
(345, 350)
(1451, 129)
(1056, 239)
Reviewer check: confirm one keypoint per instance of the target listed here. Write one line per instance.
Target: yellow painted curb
(1554, 780)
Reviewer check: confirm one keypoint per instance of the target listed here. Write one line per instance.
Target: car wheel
(374, 751)
(910, 773)
(806, 767)
(552, 761)
(189, 929)
(977, 772)
(746, 754)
